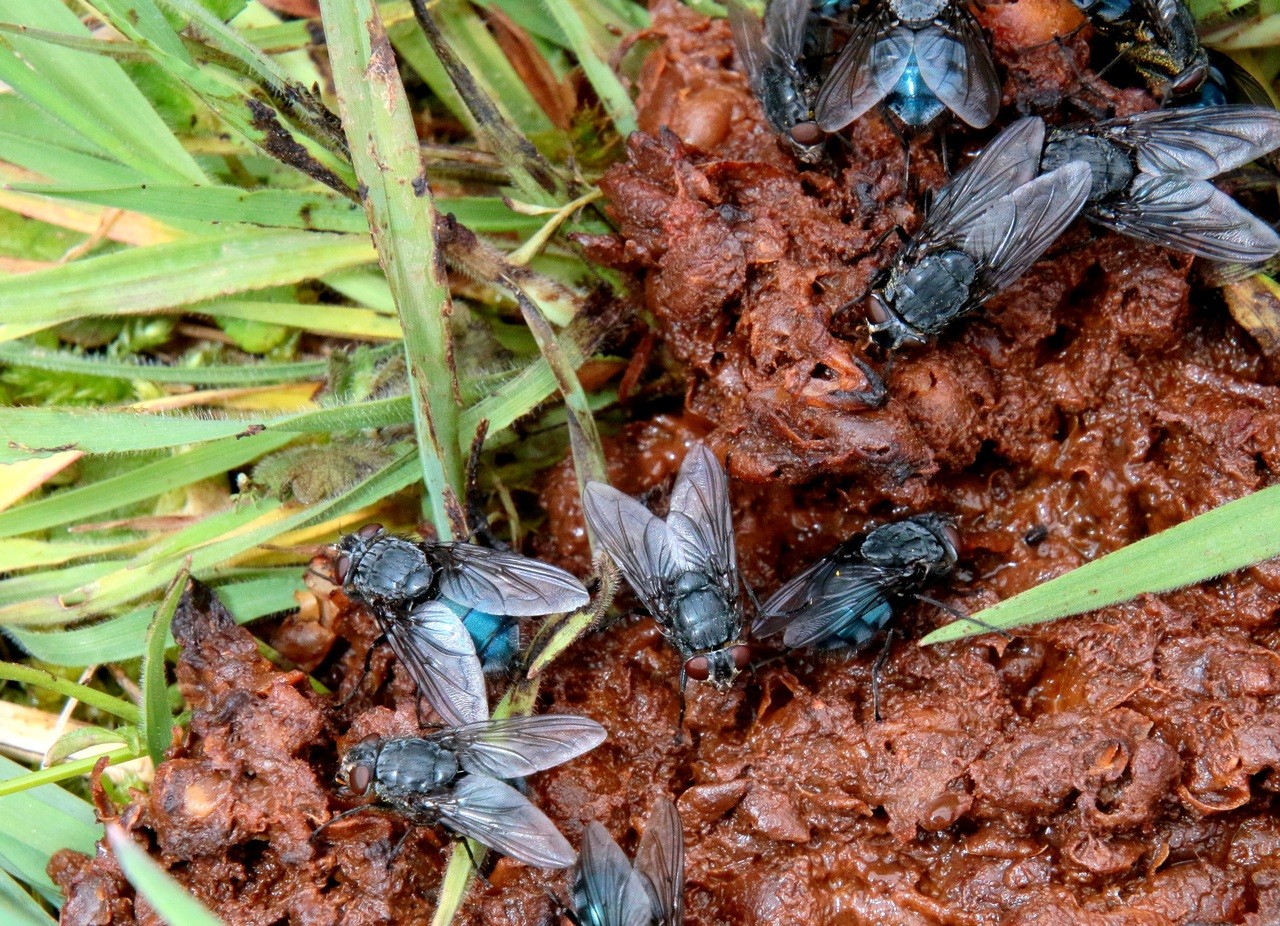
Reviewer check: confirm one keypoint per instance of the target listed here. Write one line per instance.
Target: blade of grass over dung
(65, 770)
(457, 880)
(17, 908)
(617, 102)
(402, 218)
(536, 178)
(35, 823)
(93, 499)
(91, 95)
(157, 717)
(181, 273)
(1237, 534)
(170, 900)
(553, 639)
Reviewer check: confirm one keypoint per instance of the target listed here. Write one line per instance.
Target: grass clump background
(236, 320)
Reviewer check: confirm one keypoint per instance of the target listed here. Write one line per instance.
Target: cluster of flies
(450, 612)
(1147, 175)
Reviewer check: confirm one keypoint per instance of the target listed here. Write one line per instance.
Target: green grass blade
(402, 217)
(147, 481)
(179, 273)
(617, 102)
(13, 672)
(91, 95)
(17, 907)
(457, 879)
(170, 900)
(338, 321)
(65, 770)
(157, 717)
(1235, 535)
(36, 823)
(17, 353)
(121, 638)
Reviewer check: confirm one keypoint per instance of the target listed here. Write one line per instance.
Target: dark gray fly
(984, 230)
(773, 55)
(685, 570)
(607, 891)
(921, 57)
(452, 778)
(1151, 176)
(415, 591)
(848, 596)
(1160, 38)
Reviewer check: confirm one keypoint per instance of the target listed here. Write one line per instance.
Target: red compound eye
(741, 656)
(807, 133)
(877, 311)
(698, 668)
(361, 778)
(341, 568)
(369, 531)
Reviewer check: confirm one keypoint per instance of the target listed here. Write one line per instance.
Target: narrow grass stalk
(157, 718)
(617, 102)
(39, 678)
(402, 217)
(73, 769)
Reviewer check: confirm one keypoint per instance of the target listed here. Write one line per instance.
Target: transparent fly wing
(1192, 216)
(700, 522)
(748, 39)
(955, 63)
(606, 890)
(784, 23)
(823, 601)
(1196, 142)
(868, 67)
(513, 747)
(500, 817)
(634, 539)
(1017, 229)
(440, 655)
(1009, 161)
(505, 583)
(852, 614)
(660, 860)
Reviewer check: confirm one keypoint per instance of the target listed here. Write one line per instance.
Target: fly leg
(684, 677)
(335, 818)
(961, 616)
(876, 668)
(906, 152)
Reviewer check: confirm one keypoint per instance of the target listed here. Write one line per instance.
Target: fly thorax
(912, 12)
(391, 568)
(907, 545)
(935, 290)
(1110, 165)
(782, 98)
(1106, 10)
(415, 765)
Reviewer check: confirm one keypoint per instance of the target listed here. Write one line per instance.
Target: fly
(773, 55)
(1151, 176)
(848, 596)
(453, 778)
(984, 230)
(444, 607)
(1160, 38)
(684, 569)
(607, 891)
(921, 57)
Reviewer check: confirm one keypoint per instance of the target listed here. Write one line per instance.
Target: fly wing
(660, 861)
(1192, 216)
(1017, 229)
(635, 540)
(784, 22)
(828, 600)
(435, 647)
(500, 817)
(868, 67)
(955, 63)
(606, 890)
(513, 747)
(505, 583)
(748, 39)
(1197, 142)
(700, 522)
(1009, 160)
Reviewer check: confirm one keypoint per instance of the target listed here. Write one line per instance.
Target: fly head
(719, 667)
(359, 768)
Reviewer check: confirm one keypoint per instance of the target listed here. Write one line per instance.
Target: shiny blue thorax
(911, 100)
(831, 7)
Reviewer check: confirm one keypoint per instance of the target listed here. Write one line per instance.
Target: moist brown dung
(1115, 769)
